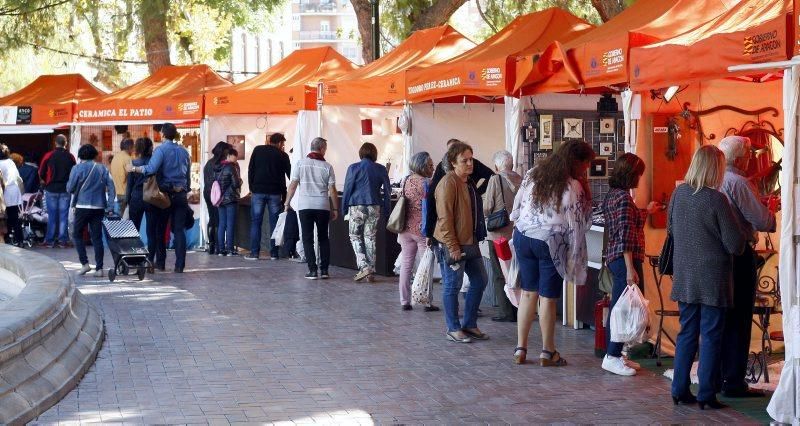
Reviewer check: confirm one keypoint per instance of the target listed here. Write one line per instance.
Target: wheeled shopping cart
(126, 248)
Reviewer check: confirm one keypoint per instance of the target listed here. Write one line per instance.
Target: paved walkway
(236, 341)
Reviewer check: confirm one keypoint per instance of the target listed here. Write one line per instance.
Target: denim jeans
(451, 285)
(94, 219)
(701, 323)
(321, 219)
(227, 226)
(258, 203)
(57, 216)
(619, 272)
(738, 323)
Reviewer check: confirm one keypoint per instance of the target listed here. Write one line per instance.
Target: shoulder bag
(152, 194)
(397, 220)
(499, 219)
(665, 259)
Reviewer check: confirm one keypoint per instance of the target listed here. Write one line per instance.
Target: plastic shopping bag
(277, 233)
(630, 322)
(510, 270)
(423, 279)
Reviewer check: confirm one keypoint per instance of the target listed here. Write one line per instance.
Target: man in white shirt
(313, 179)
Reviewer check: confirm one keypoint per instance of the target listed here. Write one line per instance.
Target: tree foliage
(118, 38)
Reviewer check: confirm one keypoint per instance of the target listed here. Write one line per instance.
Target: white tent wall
(784, 406)
(480, 125)
(341, 126)
(254, 128)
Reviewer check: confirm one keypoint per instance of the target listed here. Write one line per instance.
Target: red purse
(502, 248)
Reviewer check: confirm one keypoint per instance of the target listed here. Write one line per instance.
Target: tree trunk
(153, 18)
(363, 9)
(608, 9)
(437, 14)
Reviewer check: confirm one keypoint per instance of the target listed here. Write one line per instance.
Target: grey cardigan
(706, 234)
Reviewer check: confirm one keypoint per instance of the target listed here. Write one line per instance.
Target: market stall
(173, 94)
(30, 117)
(748, 47)
(597, 62)
(282, 99)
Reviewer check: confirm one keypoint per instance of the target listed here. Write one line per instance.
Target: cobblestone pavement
(234, 341)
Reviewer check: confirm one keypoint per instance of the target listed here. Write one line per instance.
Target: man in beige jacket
(118, 166)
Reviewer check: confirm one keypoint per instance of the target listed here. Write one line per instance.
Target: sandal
(451, 336)
(520, 359)
(553, 359)
(475, 333)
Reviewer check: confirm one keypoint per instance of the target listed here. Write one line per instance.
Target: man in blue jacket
(171, 166)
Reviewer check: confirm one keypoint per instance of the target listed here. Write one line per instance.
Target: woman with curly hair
(552, 212)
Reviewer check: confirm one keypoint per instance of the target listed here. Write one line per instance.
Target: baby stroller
(34, 218)
(126, 248)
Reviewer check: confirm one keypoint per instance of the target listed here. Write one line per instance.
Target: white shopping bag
(510, 270)
(277, 233)
(630, 321)
(423, 279)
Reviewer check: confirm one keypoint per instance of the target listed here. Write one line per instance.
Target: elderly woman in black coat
(706, 234)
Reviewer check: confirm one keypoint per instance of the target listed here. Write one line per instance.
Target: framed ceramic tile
(606, 149)
(607, 126)
(546, 132)
(598, 168)
(573, 128)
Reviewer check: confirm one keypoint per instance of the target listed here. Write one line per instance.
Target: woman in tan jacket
(499, 196)
(459, 228)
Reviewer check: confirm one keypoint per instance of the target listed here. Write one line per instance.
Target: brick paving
(236, 341)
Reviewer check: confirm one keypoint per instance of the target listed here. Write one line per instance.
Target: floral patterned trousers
(363, 229)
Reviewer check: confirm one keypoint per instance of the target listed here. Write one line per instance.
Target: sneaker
(299, 259)
(234, 253)
(371, 278)
(45, 245)
(632, 364)
(61, 246)
(312, 276)
(617, 366)
(324, 274)
(222, 253)
(84, 269)
(251, 257)
(361, 275)
(98, 273)
(273, 258)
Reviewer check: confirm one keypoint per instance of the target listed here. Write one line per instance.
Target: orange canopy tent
(599, 57)
(488, 69)
(383, 82)
(754, 31)
(52, 98)
(172, 93)
(287, 87)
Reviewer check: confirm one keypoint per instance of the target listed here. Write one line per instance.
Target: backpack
(216, 193)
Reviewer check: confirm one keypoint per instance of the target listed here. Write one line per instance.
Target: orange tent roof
(289, 86)
(600, 57)
(383, 82)
(52, 98)
(753, 31)
(171, 93)
(488, 69)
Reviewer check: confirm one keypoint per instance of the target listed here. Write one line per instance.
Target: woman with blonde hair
(705, 234)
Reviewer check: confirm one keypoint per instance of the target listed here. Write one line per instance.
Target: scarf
(315, 156)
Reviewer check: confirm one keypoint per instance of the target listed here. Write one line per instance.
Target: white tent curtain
(74, 139)
(513, 120)
(204, 148)
(405, 124)
(784, 406)
(627, 107)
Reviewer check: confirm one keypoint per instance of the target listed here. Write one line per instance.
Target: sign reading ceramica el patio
(116, 113)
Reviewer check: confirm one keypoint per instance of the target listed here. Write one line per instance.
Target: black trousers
(213, 220)
(319, 218)
(93, 218)
(14, 224)
(175, 214)
(738, 323)
(137, 209)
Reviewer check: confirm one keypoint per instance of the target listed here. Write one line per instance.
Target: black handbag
(468, 252)
(499, 219)
(665, 259)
